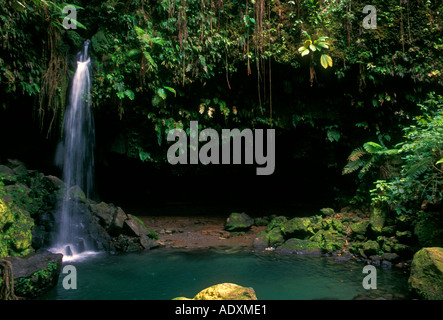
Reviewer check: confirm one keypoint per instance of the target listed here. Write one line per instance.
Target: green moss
(426, 278)
(359, 228)
(30, 286)
(329, 241)
(276, 223)
(275, 237)
(300, 245)
(378, 217)
(6, 216)
(151, 233)
(298, 228)
(15, 230)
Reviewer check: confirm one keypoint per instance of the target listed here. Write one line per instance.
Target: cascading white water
(75, 155)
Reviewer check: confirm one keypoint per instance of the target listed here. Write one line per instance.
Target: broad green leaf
(326, 61)
(372, 147)
(321, 39)
(305, 52)
(322, 45)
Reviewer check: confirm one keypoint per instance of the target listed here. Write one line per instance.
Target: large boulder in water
(224, 291)
(426, 277)
(35, 274)
(238, 222)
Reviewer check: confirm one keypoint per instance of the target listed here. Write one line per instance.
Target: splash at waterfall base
(28, 212)
(34, 197)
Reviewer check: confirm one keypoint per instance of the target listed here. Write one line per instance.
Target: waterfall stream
(75, 155)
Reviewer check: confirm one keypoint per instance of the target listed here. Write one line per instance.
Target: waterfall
(75, 155)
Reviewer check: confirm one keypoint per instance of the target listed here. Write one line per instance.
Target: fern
(364, 158)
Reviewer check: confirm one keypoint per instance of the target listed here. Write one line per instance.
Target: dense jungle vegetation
(357, 112)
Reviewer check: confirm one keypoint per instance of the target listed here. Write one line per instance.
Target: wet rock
(260, 242)
(35, 274)
(370, 247)
(359, 228)
(391, 257)
(378, 217)
(327, 212)
(298, 228)
(135, 227)
(104, 211)
(224, 291)
(56, 182)
(238, 222)
(426, 277)
(299, 246)
(119, 218)
(275, 237)
(75, 192)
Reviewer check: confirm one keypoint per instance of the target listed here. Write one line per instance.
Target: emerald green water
(168, 273)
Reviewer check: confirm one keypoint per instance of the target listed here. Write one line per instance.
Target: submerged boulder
(224, 291)
(426, 278)
(238, 222)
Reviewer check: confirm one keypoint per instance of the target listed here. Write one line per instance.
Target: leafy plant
(366, 157)
(318, 45)
(421, 179)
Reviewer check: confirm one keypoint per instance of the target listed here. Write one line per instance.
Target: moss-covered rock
(16, 231)
(224, 291)
(300, 246)
(327, 212)
(276, 222)
(378, 217)
(238, 222)
(35, 274)
(333, 225)
(300, 228)
(371, 247)
(426, 277)
(275, 237)
(359, 229)
(329, 240)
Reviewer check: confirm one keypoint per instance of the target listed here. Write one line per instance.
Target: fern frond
(356, 154)
(417, 169)
(367, 166)
(352, 166)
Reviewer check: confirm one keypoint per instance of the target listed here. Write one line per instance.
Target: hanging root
(7, 284)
